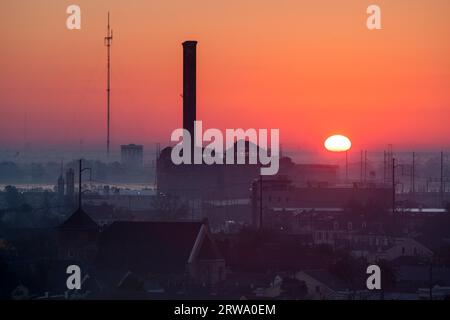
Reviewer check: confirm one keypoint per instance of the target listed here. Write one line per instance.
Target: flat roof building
(132, 155)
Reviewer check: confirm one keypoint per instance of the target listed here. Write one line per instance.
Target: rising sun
(337, 143)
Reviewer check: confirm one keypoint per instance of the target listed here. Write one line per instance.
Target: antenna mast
(108, 42)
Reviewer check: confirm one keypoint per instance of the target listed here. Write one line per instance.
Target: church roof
(79, 220)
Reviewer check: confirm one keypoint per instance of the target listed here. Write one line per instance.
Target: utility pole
(361, 171)
(157, 151)
(108, 42)
(346, 166)
(365, 165)
(441, 189)
(413, 173)
(393, 185)
(25, 133)
(260, 202)
(80, 171)
(389, 156)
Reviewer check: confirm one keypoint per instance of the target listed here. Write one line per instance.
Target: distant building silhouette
(280, 195)
(168, 250)
(171, 251)
(132, 155)
(205, 181)
(222, 181)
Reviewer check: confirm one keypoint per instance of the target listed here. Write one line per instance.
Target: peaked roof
(150, 246)
(328, 279)
(79, 220)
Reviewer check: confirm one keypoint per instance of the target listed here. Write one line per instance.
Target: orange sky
(310, 68)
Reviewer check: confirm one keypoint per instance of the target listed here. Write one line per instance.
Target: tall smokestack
(189, 85)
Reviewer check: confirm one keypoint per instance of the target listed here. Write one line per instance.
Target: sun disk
(337, 143)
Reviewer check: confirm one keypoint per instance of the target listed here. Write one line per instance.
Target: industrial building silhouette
(232, 181)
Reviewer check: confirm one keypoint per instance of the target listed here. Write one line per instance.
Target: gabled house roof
(327, 279)
(79, 220)
(157, 247)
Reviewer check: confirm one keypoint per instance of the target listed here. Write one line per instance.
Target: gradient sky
(310, 68)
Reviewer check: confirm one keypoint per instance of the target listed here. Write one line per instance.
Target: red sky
(310, 68)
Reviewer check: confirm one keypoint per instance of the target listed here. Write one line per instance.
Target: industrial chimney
(189, 85)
